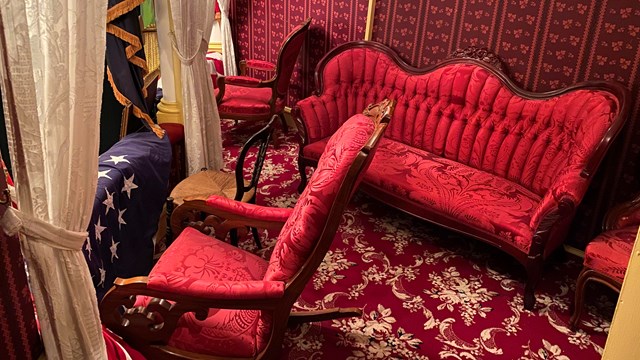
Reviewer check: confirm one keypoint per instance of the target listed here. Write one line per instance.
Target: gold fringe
(131, 49)
(122, 8)
(126, 36)
(141, 63)
(136, 110)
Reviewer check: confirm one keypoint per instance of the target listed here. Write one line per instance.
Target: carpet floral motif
(426, 292)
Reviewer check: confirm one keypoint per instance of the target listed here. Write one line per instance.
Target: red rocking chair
(208, 299)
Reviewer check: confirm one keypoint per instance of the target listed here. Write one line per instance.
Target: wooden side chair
(606, 257)
(207, 299)
(248, 98)
(240, 185)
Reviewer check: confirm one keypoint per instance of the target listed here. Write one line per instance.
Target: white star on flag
(129, 185)
(87, 246)
(118, 159)
(99, 230)
(108, 202)
(103, 174)
(103, 275)
(120, 219)
(114, 249)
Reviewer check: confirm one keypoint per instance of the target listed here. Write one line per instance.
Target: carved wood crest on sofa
(466, 147)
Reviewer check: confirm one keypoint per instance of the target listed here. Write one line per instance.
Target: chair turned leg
(256, 237)
(578, 303)
(299, 317)
(302, 168)
(169, 210)
(283, 121)
(233, 234)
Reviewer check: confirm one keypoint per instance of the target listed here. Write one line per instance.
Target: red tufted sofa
(466, 148)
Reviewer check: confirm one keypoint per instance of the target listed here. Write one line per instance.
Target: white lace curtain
(52, 71)
(228, 52)
(193, 22)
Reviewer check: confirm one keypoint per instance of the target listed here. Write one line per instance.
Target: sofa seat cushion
(247, 101)
(195, 256)
(610, 251)
(469, 196)
(475, 198)
(315, 150)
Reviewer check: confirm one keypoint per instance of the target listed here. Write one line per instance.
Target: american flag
(132, 187)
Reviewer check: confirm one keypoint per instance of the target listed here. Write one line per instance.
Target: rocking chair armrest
(227, 214)
(186, 286)
(249, 211)
(155, 322)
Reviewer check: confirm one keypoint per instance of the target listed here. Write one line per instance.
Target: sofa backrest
(469, 112)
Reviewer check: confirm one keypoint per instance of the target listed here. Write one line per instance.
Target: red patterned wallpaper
(545, 44)
(261, 26)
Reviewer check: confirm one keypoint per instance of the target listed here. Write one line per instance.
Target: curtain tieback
(188, 60)
(40, 231)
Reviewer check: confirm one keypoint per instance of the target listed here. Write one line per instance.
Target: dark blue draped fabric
(126, 63)
(132, 187)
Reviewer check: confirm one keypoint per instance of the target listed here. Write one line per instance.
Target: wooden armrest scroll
(212, 221)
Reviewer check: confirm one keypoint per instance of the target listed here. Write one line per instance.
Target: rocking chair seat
(241, 100)
(610, 251)
(194, 264)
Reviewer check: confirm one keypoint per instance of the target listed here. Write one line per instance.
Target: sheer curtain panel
(52, 74)
(193, 22)
(228, 52)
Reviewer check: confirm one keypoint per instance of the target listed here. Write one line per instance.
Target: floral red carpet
(426, 292)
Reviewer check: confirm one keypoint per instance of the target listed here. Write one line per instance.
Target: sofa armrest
(567, 190)
(318, 117)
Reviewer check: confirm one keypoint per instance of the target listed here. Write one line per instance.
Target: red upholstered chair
(206, 298)
(606, 257)
(248, 98)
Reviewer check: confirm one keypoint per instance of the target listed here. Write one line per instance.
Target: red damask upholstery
(606, 257)
(248, 101)
(609, 252)
(260, 65)
(199, 268)
(191, 262)
(466, 148)
(249, 98)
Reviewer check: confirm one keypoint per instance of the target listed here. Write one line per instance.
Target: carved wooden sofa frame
(554, 218)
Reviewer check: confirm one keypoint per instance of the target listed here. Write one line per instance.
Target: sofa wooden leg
(534, 273)
(578, 303)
